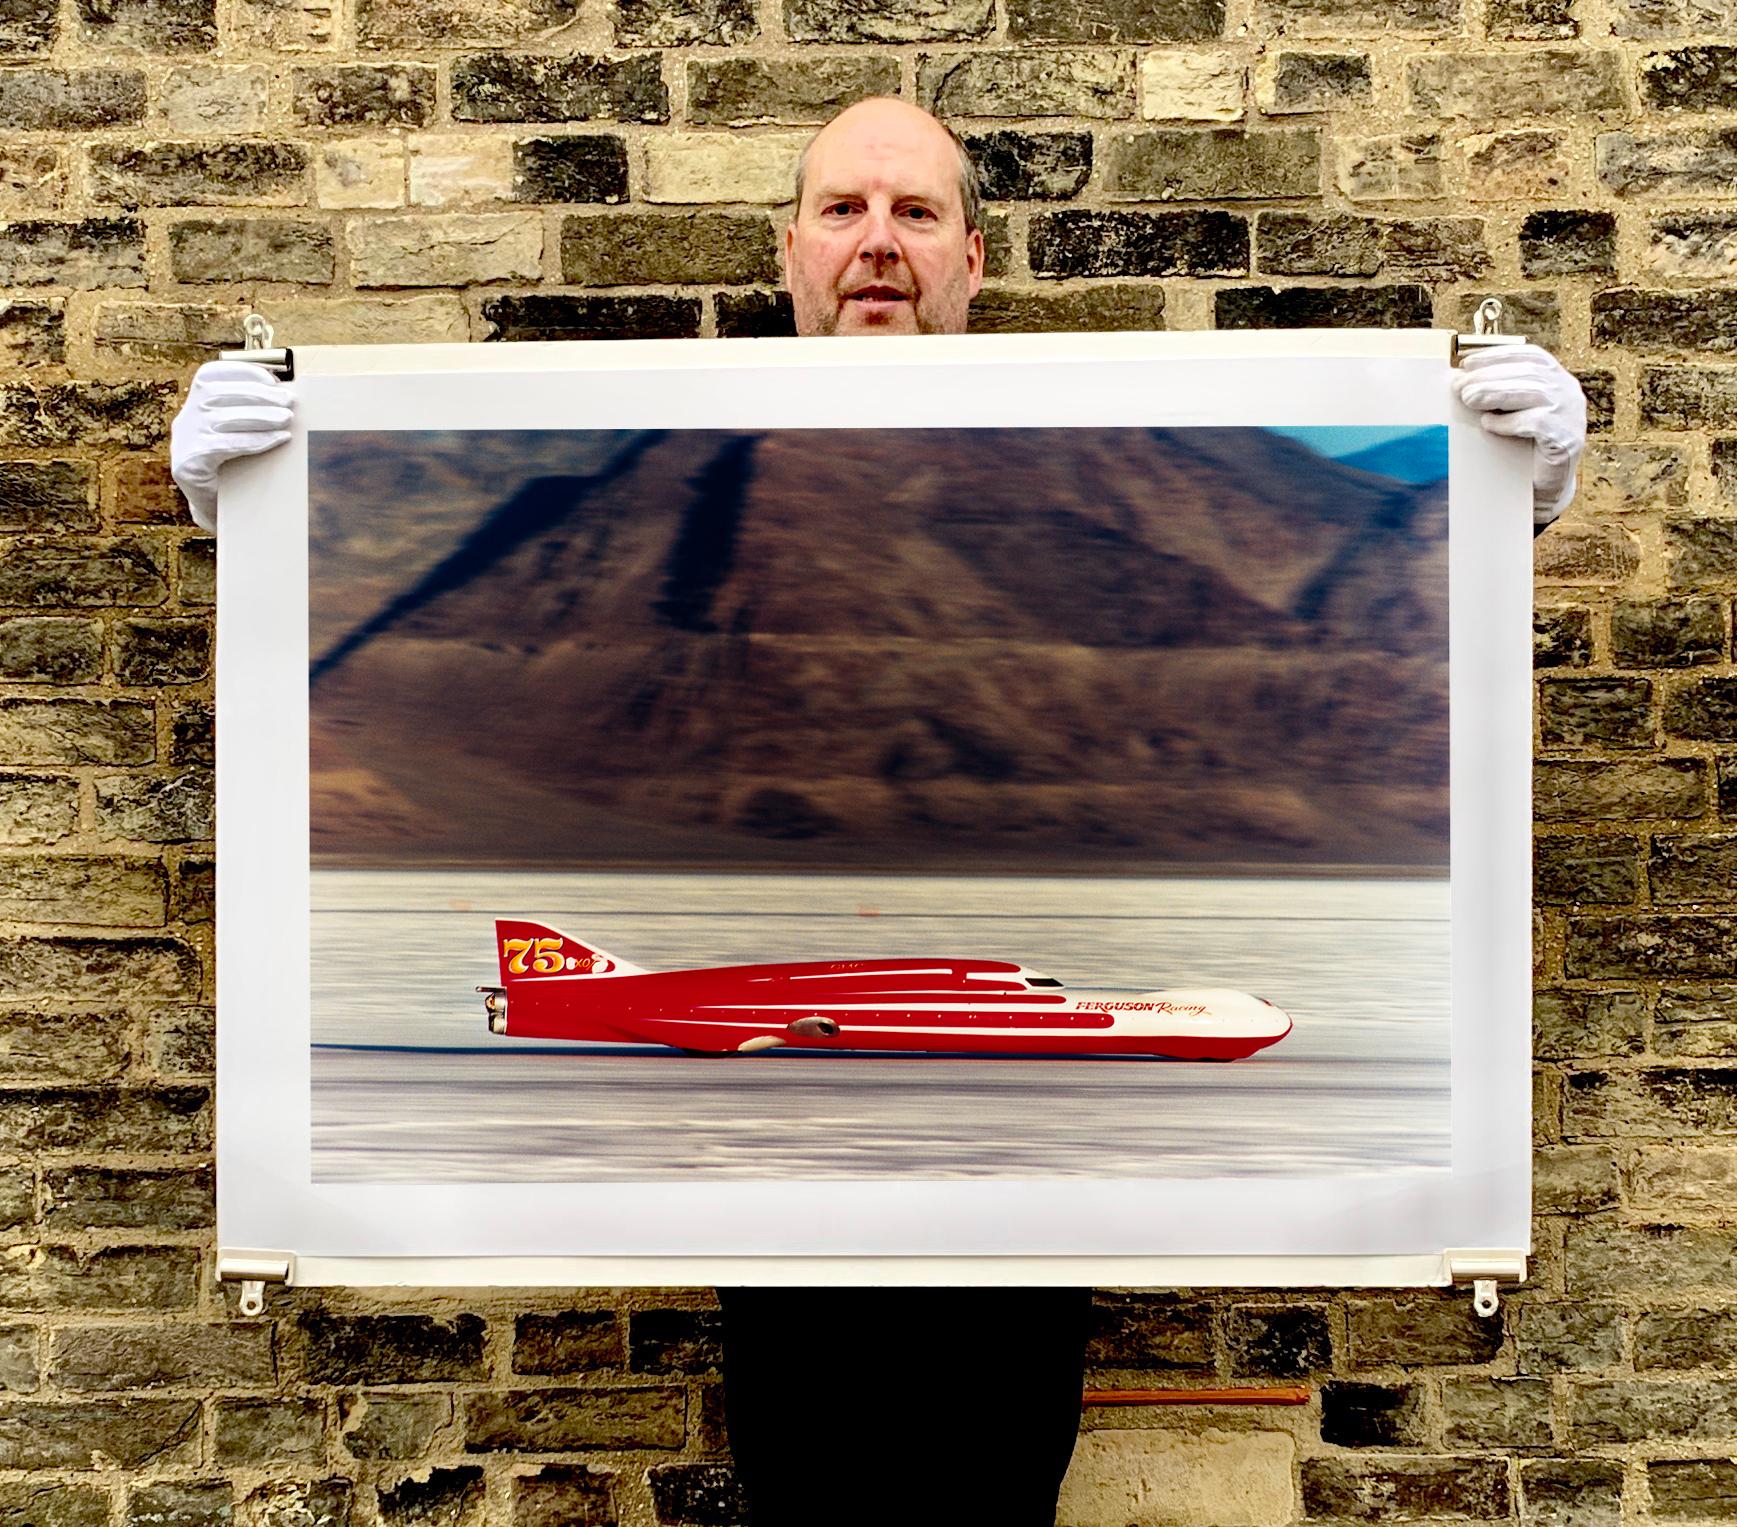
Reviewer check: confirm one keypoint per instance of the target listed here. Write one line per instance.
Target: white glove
(233, 408)
(1526, 392)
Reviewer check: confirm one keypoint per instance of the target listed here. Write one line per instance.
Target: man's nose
(879, 245)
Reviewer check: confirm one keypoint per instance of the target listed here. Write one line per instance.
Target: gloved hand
(233, 408)
(1526, 392)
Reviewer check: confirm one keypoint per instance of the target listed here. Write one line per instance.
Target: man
(919, 1406)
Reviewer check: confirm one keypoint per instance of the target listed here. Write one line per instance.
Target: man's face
(879, 244)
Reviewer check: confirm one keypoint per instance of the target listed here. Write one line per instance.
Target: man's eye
(836, 208)
(920, 213)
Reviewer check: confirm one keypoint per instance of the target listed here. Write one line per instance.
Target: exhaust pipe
(495, 1005)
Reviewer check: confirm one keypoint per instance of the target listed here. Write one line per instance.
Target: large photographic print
(1158, 713)
(1005, 808)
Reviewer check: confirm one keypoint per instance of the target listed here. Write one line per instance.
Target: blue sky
(1338, 440)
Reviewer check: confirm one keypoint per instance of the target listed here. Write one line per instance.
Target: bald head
(884, 237)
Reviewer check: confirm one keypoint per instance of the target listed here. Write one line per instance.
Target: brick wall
(518, 169)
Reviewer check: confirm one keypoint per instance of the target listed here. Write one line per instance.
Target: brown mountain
(903, 648)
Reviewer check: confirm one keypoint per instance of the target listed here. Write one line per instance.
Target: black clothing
(920, 1407)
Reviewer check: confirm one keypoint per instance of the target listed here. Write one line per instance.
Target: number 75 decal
(544, 955)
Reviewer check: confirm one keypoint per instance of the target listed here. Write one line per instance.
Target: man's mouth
(877, 294)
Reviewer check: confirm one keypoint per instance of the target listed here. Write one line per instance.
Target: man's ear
(788, 248)
(974, 260)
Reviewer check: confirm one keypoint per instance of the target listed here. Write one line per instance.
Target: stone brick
(1138, 244)
(1561, 637)
(96, 251)
(1156, 1332)
(1692, 246)
(676, 23)
(570, 1420)
(193, 893)
(19, 1375)
(32, 177)
(1651, 1410)
(360, 172)
(1288, 81)
(1567, 1338)
(74, 889)
(136, 335)
(17, 1211)
(559, 316)
(1694, 1490)
(456, 169)
(1192, 85)
(675, 1341)
(1371, 1415)
(1598, 712)
(1405, 1489)
(210, 98)
(1434, 248)
(63, 1280)
(363, 95)
(1583, 552)
(447, 1498)
(128, 1434)
(149, 26)
(1484, 1413)
(162, 651)
(746, 92)
(887, 20)
(1723, 454)
(1703, 709)
(392, 1349)
(167, 808)
(250, 249)
(1086, 310)
(194, 1504)
(1285, 1341)
(524, 87)
(1065, 82)
(1567, 870)
(1193, 164)
(59, 100)
(284, 1429)
(46, 495)
(35, 1503)
(1336, 16)
(997, 232)
(1101, 21)
(58, 414)
(302, 1503)
(1422, 1329)
(1698, 868)
(50, 649)
(1485, 86)
(1219, 1476)
(1685, 1338)
(1323, 307)
(1531, 20)
(37, 808)
(656, 247)
(455, 250)
(1571, 1492)
(697, 1494)
(1625, 475)
(33, 333)
(198, 173)
(28, 29)
(564, 1495)
(196, 570)
(722, 167)
(1704, 320)
(1662, 1100)
(1021, 166)
(1685, 947)
(191, 740)
(426, 319)
(1577, 1023)
(567, 1342)
(1339, 244)
(1388, 167)
(1689, 163)
(76, 732)
(127, 1198)
(1567, 244)
(159, 1119)
(764, 315)
(82, 1046)
(1600, 389)
(1690, 79)
(1696, 1022)
(576, 167)
(94, 1358)
(1700, 552)
(448, 23)
(277, 27)
(1528, 164)
(380, 1424)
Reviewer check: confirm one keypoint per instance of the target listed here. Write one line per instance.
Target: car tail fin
(530, 950)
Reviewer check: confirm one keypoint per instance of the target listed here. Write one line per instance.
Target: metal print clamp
(1486, 330)
(253, 1270)
(257, 349)
(1484, 1270)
